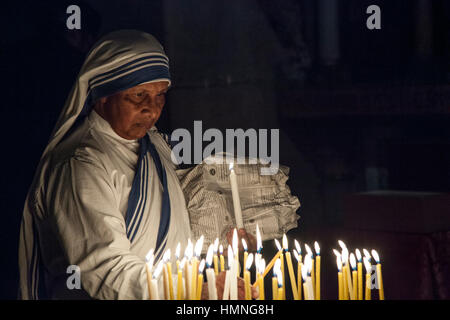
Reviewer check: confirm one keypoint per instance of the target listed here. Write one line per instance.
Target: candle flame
(376, 256)
(279, 279)
(189, 251)
(249, 262)
(297, 247)
(199, 246)
(308, 250)
(216, 245)
(150, 258)
(262, 266)
(235, 241)
(358, 255)
(201, 266)
(367, 254)
(339, 263)
(297, 256)
(231, 166)
(182, 263)
(158, 270)
(177, 251)
(149, 255)
(304, 273)
(244, 244)
(342, 244)
(317, 248)
(258, 239)
(352, 261)
(308, 263)
(285, 242)
(277, 264)
(367, 265)
(277, 243)
(344, 255)
(221, 249)
(337, 253)
(230, 256)
(166, 256)
(209, 255)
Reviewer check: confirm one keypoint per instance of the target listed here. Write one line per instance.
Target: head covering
(119, 61)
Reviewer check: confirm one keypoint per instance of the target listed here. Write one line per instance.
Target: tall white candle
(210, 274)
(154, 291)
(234, 268)
(226, 289)
(236, 200)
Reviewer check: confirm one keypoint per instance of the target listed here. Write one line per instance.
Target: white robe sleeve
(83, 203)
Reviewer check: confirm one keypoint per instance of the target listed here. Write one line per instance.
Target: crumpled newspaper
(266, 200)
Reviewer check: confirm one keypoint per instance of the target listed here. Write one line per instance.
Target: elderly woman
(105, 191)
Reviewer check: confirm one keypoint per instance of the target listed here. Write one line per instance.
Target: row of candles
(305, 283)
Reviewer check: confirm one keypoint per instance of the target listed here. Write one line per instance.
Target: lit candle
(360, 275)
(189, 252)
(309, 283)
(299, 274)
(210, 274)
(216, 259)
(236, 200)
(304, 277)
(222, 259)
(154, 291)
(275, 280)
(277, 243)
(379, 275)
(310, 253)
(260, 277)
(317, 286)
(195, 261)
(244, 245)
(290, 268)
(348, 290)
(340, 280)
(368, 267)
(180, 279)
(168, 280)
(298, 256)
(354, 276)
(200, 279)
(149, 258)
(235, 267)
(226, 289)
(279, 281)
(248, 265)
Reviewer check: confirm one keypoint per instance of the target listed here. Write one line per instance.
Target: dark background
(363, 114)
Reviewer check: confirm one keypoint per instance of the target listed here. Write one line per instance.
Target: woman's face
(134, 111)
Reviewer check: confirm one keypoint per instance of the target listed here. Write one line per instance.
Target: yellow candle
(180, 267)
(149, 279)
(277, 270)
(248, 265)
(355, 279)
(340, 278)
(317, 283)
(274, 288)
(245, 258)
(194, 278)
(169, 273)
(247, 285)
(262, 265)
(379, 275)
(200, 279)
(269, 266)
(282, 277)
(360, 276)
(222, 259)
(299, 280)
(368, 267)
(305, 285)
(292, 276)
(354, 292)
(340, 283)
